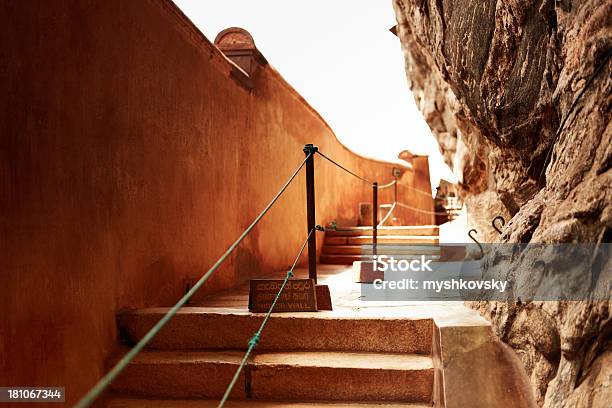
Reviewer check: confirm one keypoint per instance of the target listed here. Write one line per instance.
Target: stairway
(324, 359)
(346, 245)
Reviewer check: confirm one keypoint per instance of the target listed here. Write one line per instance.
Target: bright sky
(342, 58)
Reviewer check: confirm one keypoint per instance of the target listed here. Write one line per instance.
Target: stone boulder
(517, 92)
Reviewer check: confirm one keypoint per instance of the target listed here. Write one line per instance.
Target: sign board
(298, 295)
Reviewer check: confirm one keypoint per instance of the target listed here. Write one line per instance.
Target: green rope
(105, 381)
(257, 336)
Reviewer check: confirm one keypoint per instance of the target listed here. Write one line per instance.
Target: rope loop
(392, 183)
(254, 341)
(343, 168)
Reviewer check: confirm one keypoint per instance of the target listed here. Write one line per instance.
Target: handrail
(420, 210)
(415, 189)
(375, 189)
(344, 168)
(380, 224)
(391, 183)
(105, 381)
(257, 336)
(388, 185)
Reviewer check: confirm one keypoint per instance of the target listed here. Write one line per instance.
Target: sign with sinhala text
(297, 296)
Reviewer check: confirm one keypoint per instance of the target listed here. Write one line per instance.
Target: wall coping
(226, 65)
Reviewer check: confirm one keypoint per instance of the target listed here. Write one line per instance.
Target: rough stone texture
(501, 84)
(121, 402)
(217, 328)
(474, 369)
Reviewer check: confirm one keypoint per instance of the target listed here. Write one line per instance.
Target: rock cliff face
(518, 94)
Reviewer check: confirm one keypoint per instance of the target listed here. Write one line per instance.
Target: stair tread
(189, 357)
(386, 240)
(329, 359)
(391, 245)
(242, 311)
(388, 227)
(421, 230)
(223, 328)
(387, 361)
(368, 257)
(126, 402)
(398, 237)
(412, 249)
(348, 259)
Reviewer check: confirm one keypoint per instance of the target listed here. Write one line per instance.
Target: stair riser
(381, 250)
(381, 240)
(276, 382)
(179, 380)
(390, 240)
(124, 402)
(224, 331)
(324, 383)
(343, 259)
(431, 231)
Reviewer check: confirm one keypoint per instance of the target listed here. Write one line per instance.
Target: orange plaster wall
(419, 196)
(129, 161)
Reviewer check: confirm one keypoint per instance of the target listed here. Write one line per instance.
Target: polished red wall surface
(129, 161)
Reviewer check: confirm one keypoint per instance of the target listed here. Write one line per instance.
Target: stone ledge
(473, 368)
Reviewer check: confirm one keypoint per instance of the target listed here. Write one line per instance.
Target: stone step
(331, 259)
(382, 239)
(430, 230)
(342, 376)
(218, 328)
(127, 402)
(382, 249)
(348, 259)
(181, 374)
(332, 376)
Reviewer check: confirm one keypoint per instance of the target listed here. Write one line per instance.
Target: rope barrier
(422, 211)
(105, 381)
(425, 193)
(368, 181)
(387, 185)
(257, 336)
(388, 215)
(344, 168)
